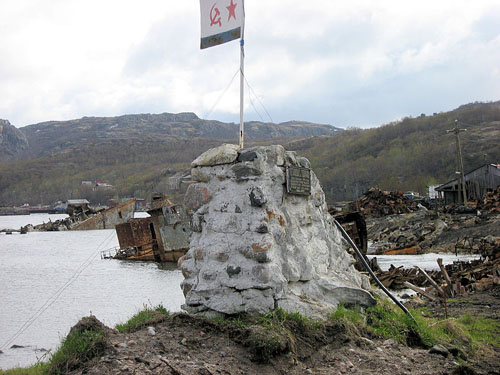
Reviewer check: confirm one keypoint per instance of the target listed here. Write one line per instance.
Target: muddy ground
(184, 344)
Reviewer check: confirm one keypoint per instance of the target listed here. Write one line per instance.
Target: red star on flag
(231, 9)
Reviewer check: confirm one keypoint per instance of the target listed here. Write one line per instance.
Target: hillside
(135, 153)
(12, 141)
(138, 156)
(406, 155)
(52, 137)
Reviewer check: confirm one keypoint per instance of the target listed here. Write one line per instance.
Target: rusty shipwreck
(162, 237)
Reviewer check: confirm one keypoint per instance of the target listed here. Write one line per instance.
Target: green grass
(38, 369)
(482, 330)
(471, 335)
(147, 316)
(76, 349)
(85, 341)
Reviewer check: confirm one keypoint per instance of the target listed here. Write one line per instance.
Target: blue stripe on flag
(216, 39)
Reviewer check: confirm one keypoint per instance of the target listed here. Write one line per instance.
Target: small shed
(477, 183)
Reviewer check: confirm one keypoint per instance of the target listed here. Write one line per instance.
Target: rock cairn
(255, 247)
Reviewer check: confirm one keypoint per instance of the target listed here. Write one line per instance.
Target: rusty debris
(491, 202)
(378, 203)
(354, 224)
(452, 279)
(84, 217)
(162, 237)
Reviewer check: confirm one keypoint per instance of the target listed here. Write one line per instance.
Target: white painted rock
(220, 155)
(255, 247)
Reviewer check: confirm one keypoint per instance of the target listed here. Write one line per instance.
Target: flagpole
(242, 74)
(242, 57)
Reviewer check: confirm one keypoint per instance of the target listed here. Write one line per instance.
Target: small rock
(1, 352)
(247, 156)
(200, 363)
(131, 342)
(257, 197)
(366, 341)
(223, 354)
(184, 341)
(379, 349)
(151, 331)
(309, 371)
(390, 342)
(202, 334)
(439, 349)
(124, 369)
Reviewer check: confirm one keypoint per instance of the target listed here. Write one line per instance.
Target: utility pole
(460, 163)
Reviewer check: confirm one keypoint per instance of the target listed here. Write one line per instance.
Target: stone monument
(263, 238)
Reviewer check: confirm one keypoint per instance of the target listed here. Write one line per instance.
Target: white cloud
(345, 63)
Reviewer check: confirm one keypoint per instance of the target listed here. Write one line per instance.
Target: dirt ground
(187, 345)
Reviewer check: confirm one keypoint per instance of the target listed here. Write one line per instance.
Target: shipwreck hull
(108, 219)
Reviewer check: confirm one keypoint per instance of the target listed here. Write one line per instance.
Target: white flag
(221, 21)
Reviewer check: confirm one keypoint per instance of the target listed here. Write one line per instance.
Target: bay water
(49, 280)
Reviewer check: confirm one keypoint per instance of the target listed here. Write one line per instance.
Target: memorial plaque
(298, 180)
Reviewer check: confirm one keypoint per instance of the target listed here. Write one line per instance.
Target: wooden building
(477, 183)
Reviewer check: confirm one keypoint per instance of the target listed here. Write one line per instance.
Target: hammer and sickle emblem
(215, 16)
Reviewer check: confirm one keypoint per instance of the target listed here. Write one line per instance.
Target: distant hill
(408, 155)
(57, 136)
(135, 153)
(12, 141)
(139, 154)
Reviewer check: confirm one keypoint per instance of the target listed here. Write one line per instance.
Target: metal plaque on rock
(298, 180)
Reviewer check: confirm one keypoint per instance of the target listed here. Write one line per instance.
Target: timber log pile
(463, 276)
(491, 202)
(378, 203)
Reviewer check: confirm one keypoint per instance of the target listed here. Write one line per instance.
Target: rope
(262, 105)
(53, 298)
(188, 139)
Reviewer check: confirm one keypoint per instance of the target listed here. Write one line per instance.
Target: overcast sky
(344, 63)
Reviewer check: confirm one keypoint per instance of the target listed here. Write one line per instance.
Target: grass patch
(472, 335)
(38, 369)
(146, 317)
(482, 330)
(76, 349)
(387, 321)
(85, 341)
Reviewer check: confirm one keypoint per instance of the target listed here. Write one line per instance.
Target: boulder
(224, 154)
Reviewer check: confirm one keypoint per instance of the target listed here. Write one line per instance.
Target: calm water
(59, 277)
(424, 261)
(16, 222)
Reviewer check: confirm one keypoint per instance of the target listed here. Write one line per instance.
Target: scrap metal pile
(491, 202)
(450, 280)
(378, 203)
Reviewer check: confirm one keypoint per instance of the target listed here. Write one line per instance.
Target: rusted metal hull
(163, 237)
(109, 218)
